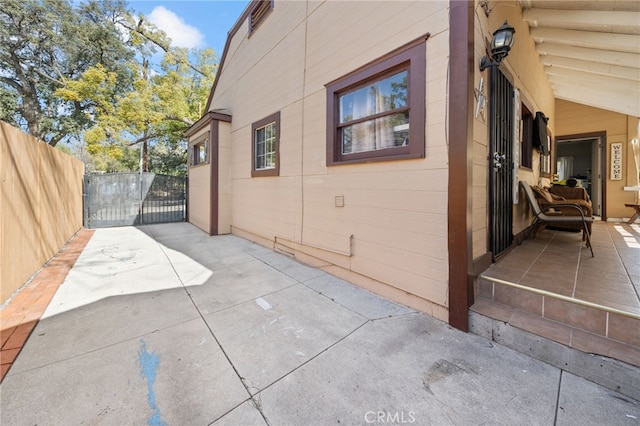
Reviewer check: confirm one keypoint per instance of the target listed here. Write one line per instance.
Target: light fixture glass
(500, 46)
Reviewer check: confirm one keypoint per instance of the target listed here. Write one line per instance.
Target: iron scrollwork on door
(498, 161)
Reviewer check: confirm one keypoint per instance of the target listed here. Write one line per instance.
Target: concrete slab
(126, 343)
(116, 261)
(190, 247)
(271, 336)
(414, 369)
(289, 266)
(177, 375)
(585, 403)
(357, 299)
(238, 284)
(101, 324)
(246, 414)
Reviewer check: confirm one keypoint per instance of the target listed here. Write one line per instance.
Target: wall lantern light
(500, 46)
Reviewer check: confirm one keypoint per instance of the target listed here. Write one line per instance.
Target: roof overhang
(590, 50)
(205, 120)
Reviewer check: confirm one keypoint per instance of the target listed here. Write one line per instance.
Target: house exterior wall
(199, 200)
(526, 73)
(224, 177)
(391, 234)
(573, 119)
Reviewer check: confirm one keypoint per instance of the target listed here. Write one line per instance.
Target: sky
(193, 23)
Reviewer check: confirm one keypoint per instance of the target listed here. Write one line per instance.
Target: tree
(82, 70)
(43, 44)
(160, 108)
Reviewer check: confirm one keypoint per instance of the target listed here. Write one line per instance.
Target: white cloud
(181, 33)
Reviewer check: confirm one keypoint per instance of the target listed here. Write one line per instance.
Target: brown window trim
(526, 144)
(412, 57)
(548, 174)
(194, 159)
(273, 118)
(260, 9)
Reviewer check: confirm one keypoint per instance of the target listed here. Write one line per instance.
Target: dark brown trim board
(214, 157)
(205, 120)
(411, 58)
(461, 85)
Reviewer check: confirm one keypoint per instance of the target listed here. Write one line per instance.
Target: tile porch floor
(556, 262)
(559, 263)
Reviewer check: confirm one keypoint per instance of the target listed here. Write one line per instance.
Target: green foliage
(44, 43)
(82, 71)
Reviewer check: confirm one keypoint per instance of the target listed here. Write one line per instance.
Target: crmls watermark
(390, 417)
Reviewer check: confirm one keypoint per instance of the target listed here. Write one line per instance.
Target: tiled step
(597, 344)
(588, 317)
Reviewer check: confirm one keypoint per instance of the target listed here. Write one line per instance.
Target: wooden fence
(40, 205)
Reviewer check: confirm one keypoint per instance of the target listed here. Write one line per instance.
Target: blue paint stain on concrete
(149, 362)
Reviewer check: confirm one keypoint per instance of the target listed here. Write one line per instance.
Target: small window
(259, 11)
(378, 111)
(526, 147)
(200, 151)
(266, 146)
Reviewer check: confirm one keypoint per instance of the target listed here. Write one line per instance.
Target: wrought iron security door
(122, 199)
(500, 163)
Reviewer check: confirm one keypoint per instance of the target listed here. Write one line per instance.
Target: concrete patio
(164, 324)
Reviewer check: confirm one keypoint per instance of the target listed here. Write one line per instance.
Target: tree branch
(57, 138)
(182, 120)
(144, 138)
(139, 30)
(11, 82)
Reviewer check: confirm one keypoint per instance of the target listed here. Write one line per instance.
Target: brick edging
(20, 316)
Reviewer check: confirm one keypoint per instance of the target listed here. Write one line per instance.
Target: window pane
(381, 133)
(266, 147)
(379, 96)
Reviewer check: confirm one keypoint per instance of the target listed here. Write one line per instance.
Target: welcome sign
(616, 161)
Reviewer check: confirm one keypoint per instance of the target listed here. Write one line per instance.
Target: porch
(554, 291)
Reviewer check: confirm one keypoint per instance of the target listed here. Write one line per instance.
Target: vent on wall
(260, 10)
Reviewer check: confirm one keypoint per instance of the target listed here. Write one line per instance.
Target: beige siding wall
(40, 205)
(526, 74)
(224, 177)
(200, 190)
(575, 119)
(390, 236)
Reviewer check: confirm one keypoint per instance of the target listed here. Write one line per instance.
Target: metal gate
(121, 199)
(501, 163)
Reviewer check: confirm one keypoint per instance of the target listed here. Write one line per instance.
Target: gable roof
(230, 35)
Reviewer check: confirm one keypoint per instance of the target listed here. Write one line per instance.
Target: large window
(266, 146)
(378, 111)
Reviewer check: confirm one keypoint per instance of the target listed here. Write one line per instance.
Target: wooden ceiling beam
(620, 100)
(589, 39)
(585, 20)
(603, 81)
(631, 60)
(628, 73)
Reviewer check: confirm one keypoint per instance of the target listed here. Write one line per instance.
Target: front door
(500, 163)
